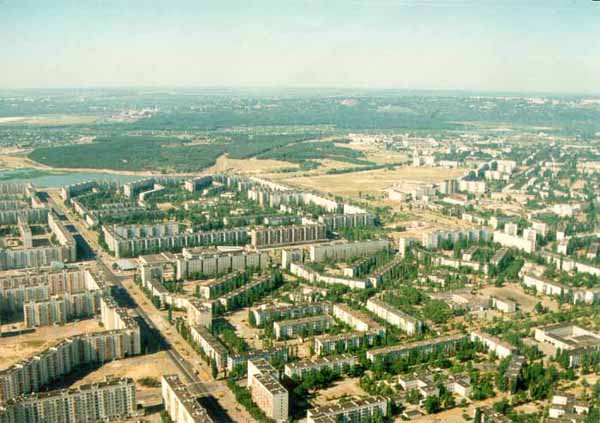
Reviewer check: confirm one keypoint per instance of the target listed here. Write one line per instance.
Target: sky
(491, 45)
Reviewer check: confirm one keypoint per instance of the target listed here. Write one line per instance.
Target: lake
(54, 179)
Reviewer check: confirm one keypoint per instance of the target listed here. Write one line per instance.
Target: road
(197, 373)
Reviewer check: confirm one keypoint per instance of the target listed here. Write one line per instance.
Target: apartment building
(217, 287)
(111, 400)
(61, 309)
(526, 243)
(313, 276)
(327, 344)
(284, 235)
(65, 251)
(180, 404)
(198, 313)
(302, 327)
(344, 250)
(264, 314)
(395, 317)
(340, 221)
(446, 344)
(234, 360)
(338, 364)
(231, 298)
(131, 240)
(197, 184)
(194, 262)
(210, 345)
(349, 409)
(357, 319)
(501, 348)
(266, 390)
(433, 240)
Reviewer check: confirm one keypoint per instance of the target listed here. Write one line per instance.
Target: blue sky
(505, 45)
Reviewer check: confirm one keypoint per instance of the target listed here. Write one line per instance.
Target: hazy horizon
(415, 45)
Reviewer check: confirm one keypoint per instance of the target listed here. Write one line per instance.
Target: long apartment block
(264, 315)
(356, 319)
(343, 250)
(286, 235)
(131, 240)
(302, 327)
(349, 409)
(193, 262)
(343, 342)
(446, 344)
(210, 345)
(180, 404)
(335, 364)
(394, 317)
(110, 400)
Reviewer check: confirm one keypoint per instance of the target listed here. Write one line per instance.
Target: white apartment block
(395, 317)
(501, 348)
(349, 409)
(326, 344)
(335, 364)
(180, 404)
(356, 319)
(110, 400)
(210, 345)
(343, 250)
(302, 327)
(526, 244)
(266, 390)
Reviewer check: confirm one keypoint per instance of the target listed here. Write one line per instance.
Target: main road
(197, 372)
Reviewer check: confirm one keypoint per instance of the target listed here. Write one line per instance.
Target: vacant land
(227, 164)
(341, 388)
(151, 366)
(49, 120)
(16, 348)
(372, 181)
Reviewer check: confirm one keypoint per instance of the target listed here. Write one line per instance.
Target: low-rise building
(302, 327)
(335, 364)
(349, 409)
(501, 348)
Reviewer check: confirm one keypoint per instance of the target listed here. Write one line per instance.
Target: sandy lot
(152, 365)
(13, 349)
(344, 387)
(239, 320)
(373, 181)
(253, 165)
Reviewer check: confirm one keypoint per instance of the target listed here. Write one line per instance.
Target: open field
(49, 120)
(344, 387)
(377, 155)
(225, 163)
(16, 348)
(372, 181)
(239, 320)
(146, 366)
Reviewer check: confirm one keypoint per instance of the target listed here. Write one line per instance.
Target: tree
(432, 404)
(213, 369)
(170, 313)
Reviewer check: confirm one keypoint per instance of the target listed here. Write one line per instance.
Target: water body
(54, 179)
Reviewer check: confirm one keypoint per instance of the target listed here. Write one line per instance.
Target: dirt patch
(16, 348)
(373, 181)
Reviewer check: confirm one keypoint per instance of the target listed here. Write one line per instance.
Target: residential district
(227, 297)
